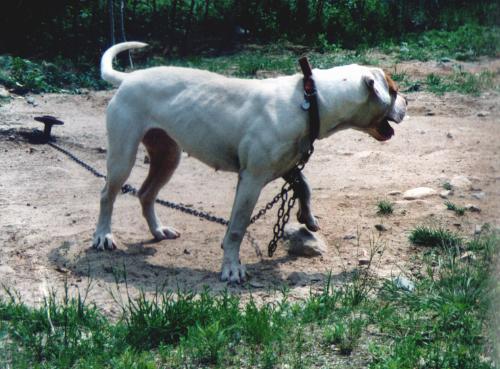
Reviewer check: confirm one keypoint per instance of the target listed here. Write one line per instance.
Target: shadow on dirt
(135, 264)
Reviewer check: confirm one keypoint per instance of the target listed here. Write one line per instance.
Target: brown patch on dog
(393, 87)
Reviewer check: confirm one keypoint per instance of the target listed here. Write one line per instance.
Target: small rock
(32, 150)
(146, 159)
(349, 237)
(468, 256)
(12, 138)
(363, 261)
(5, 269)
(301, 242)
(294, 278)
(418, 193)
(478, 229)
(483, 114)
(108, 269)
(473, 208)
(101, 150)
(30, 100)
(461, 181)
(478, 195)
(3, 92)
(430, 113)
(187, 252)
(380, 227)
(404, 283)
(61, 269)
(444, 194)
(256, 284)
(449, 135)
(394, 193)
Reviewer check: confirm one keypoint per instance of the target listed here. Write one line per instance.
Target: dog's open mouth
(382, 131)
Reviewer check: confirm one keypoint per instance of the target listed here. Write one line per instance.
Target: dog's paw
(309, 220)
(233, 273)
(104, 242)
(165, 233)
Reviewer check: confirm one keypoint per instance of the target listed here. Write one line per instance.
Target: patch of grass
(457, 209)
(439, 324)
(385, 207)
(434, 237)
(462, 82)
(468, 42)
(24, 76)
(442, 323)
(447, 186)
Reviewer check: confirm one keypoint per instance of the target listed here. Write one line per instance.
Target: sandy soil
(49, 205)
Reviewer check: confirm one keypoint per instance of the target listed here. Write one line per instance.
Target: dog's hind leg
(164, 156)
(303, 192)
(120, 160)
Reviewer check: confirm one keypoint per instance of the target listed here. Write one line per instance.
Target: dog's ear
(370, 83)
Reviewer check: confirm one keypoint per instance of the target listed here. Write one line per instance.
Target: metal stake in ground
(48, 121)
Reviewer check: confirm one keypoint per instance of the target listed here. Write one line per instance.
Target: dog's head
(392, 107)
(365, 99)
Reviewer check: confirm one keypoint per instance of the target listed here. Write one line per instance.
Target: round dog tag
(305, 105)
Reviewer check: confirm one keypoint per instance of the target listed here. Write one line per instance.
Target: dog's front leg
(247, 194)
(303, 191)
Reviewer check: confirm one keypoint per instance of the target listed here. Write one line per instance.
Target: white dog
(253, 127)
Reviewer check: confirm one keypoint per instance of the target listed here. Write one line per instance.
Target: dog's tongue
(385, 130)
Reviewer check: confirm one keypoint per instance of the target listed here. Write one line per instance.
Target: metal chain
(283, 214)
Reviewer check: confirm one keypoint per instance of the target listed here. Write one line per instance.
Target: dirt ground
(49, 204)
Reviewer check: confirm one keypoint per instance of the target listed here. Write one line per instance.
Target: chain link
(286, 206)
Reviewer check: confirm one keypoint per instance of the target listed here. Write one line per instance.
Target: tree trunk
(122, 29)
(185, 43)
(111, 11)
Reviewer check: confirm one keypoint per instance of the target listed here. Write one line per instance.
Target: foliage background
(79, 30)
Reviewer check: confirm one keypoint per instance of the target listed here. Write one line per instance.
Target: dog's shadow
(135, 264)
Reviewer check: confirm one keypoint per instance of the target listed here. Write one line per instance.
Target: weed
(463, 82)
(447, 186)
(439, 237)
(385, 207)
(207, 343)
(459, 210)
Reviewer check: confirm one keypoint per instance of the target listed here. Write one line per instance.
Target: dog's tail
(107, 72)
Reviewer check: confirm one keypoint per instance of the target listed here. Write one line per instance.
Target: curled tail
(107, 72)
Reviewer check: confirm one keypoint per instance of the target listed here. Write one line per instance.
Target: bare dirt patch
(49, 204)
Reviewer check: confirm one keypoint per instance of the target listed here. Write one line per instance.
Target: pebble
(5, 269)
(363, 261)
(418, 193)
(468, 256)
(349, 237)
(473, 208)
(30, 100)
(483, 114)
(449, 135)
(380, 227)
(404, 283)
(187, 252)
(3, 92)
(394, 193)
(301, 242)
(478, 195)
(477, 229)
(444, 194)
(294, 278)
(256, 284)
(461, 181)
